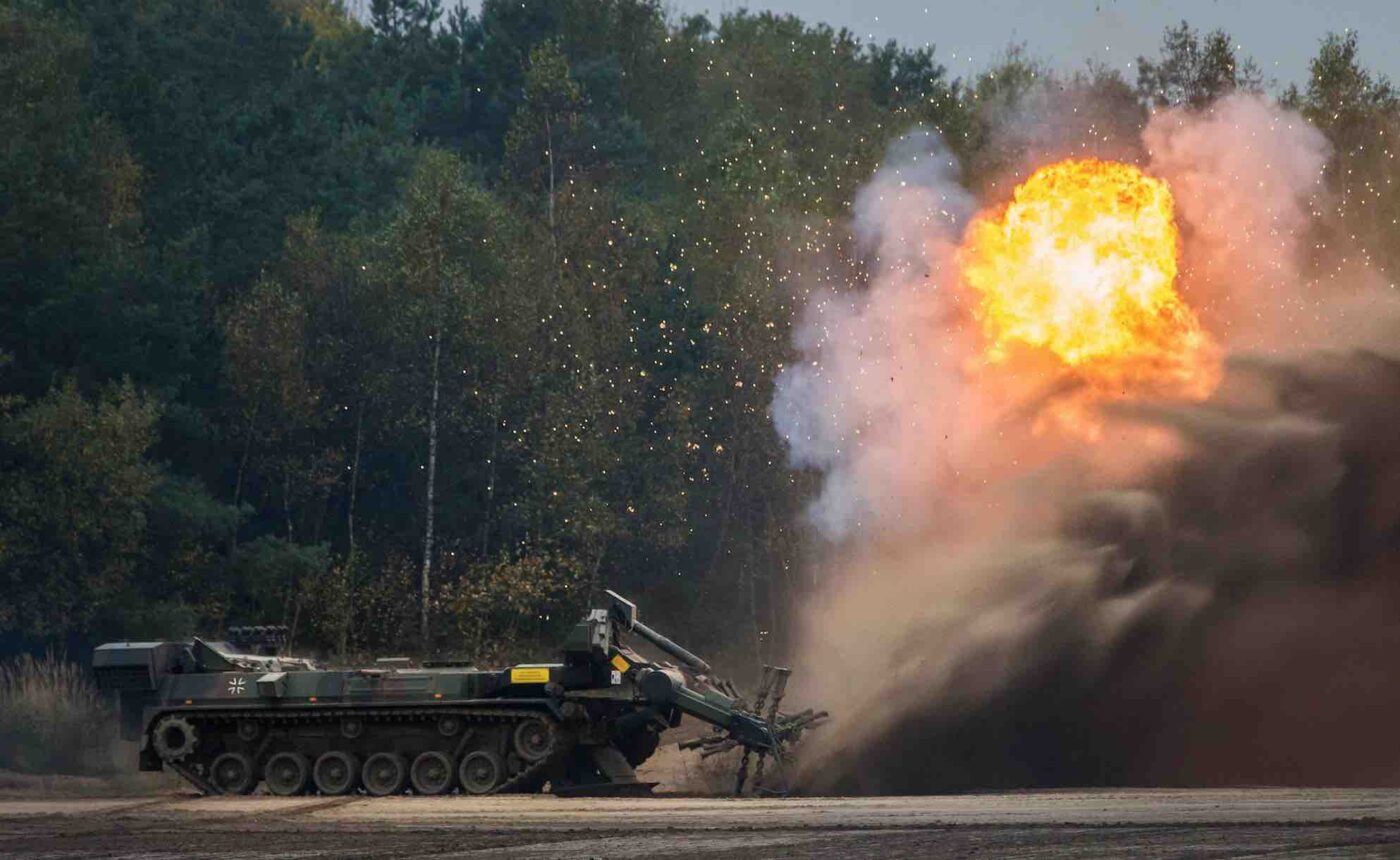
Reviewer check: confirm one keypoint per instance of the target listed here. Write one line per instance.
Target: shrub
(512, 607)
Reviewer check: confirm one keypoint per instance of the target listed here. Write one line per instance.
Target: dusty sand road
(1138, 823)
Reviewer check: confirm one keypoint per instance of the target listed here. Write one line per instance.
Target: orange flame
(1082, 264)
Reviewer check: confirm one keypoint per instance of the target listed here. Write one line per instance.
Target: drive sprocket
(174, 738)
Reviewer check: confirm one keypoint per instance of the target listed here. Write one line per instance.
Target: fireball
(1081, 265)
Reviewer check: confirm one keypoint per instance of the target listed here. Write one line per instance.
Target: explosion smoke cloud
(999, 603)
(863, 395)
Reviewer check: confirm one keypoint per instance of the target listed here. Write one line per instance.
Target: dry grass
(53, 719)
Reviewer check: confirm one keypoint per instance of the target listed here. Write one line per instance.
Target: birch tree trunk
(553, 227)
(355, 478)
(426, 580)
(287, 498)
(549, 151)
(238, 482)
(491, 477)
(348, 586)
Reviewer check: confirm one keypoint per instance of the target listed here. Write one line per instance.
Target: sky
(969, 35)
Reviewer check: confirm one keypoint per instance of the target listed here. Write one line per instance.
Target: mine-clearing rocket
(227, 715)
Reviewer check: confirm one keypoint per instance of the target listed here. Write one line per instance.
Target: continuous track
(217, 731)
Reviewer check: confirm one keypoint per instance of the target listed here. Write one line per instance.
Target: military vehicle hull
(229, 720)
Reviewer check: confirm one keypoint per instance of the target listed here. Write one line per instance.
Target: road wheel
(233, 773)
(534, 738)
(481, 771)
(287, 774)
(432, 773)
(336, 773)
(384, 774)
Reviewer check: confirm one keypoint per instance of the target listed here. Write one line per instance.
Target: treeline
(415, 332)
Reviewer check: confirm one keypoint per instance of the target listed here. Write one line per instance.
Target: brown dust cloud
(1089, 514)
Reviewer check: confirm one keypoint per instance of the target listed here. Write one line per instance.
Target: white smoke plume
(859, 407)
(1244, 177)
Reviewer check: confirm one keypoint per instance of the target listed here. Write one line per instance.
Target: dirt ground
(1315, 823)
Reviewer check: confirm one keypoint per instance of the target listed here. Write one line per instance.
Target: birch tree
(539, 128)
(441, 247)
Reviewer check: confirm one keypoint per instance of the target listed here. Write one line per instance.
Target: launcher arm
(624, 614)
(667, 687)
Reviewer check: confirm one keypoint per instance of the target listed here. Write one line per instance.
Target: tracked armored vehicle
(229, 715)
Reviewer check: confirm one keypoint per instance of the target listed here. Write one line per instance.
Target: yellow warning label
(620, 663)
(530, 675)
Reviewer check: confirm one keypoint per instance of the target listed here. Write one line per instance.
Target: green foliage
(384, 612)
(1340, 91)
(74, 484)
(1195, 70)
(439, 247)
(503, 608)
(69, 182)
(264, 351)
(546, 117)
(69, 190)
(1360, 112)
(269, 273)
(234, 122)
(268, 575)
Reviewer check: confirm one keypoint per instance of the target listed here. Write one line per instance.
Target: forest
(416, 328)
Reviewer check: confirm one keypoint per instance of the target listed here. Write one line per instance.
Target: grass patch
(53, 719)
